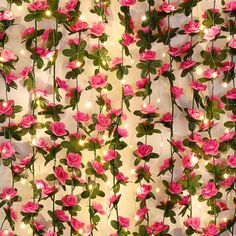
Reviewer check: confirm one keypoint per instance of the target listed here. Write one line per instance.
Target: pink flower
(195, 114)
(73, 160)
(98, 81)
(122, 132)
(97, 29)
(211, 230)
(232, 43)
(27, 121)
(71, 5)
(116, 61)
(166, 118)
(231, 161)
(8, 193)
(140, 84)
(165, 164)
(110, 155)
(127, 90)
(227, 182)
(212, 10)
(231, 94)
(30, 207)
(164, 68)
(45, 34)
(6, 15)
(165, 7)
(198, 86)
(140, 213)
(13, 214)
(6, 107)
(178, 144)
(61, 175)
(73, 65)
(103, 122)
(3, 233)
(147, 56)
(185, 200)
(50, 233)
(227, 136)
(114, 199)
(210, 147)
(148, 109)
(7, 55)
(192, 27)
(61, 215)
(193, 222)
(10, 77)
(79, 26)
(75, 41)
(98, 208)
(38, 226)
(121, 178)
(187, 64)
(143, 191)
(186, 47)
(69, 201)
(144, 150)
(98, 167)
(127, 3)
(6, 150)
(177, 92)
(211, 33)
(124, 222)
(211, 73)
(209, 190)
(196, 138)
(38, 6)
(231, 6)
(227, 66)
(28, 32)
(26, 71)
(76, 224)
(175, 188)
(157, 228)
(62, 84)
(222, 206)
(127, 39)
(174, 52)
(189, 161)
(81, 117)
(58, 129)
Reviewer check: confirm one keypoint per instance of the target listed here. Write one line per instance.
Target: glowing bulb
(4, 104)
(1, 59)
(80, 231)
(122, 81)
(3, 150)
(82, 17)
(206, 163)
(20, 8)
(225, 219)
(205, 31)
(78, 63)
(100, 18)
(51, 59)
(132, 61)
(157, 190)
(38, 102)
(144, 18)
(130, 146)
(22, 225)
(6, 232)
(144, 105)
(7, 197)
(34, 141)
(23, 181)
(214, 75)
(81, 142)
(22, 52)
(227, 131)
(88, 104)
(163, 55)
(226, 176)
(132, 171)
(225, 85)
(48, 13)
(162, 144)
(136, 218)
(202, 27)
(104, 152)
(205, 121)
(105, 137)
(199, 71)
(158, 100)
(104, 63)
(105, 90)
(126, 126)
(90, 187)
(228, 38)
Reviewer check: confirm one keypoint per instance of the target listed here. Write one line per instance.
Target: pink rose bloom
(178, 144)
(195, 114)
(40, 184)
(122, 132)
(211, 230)
(81, 117)
(16, 169)
(121, 178)
(144, 150)
(140, 213)
(114, 199)
(210, 147)
(192, 27)
(232, 43)
(209, 190)
(127, 90)
(97, 29)
(6, 15)
(177, 92)
(227, 182)
(207, 124)
(186, 47)
(98, 167)
(222, 206)
(98, 81)
(8, 193)
(227, 66)
(71, 5)
(174, 52)
(165, 164)
(58, 129)
(98, 208)
(227, 136)
(62, 84)
(166, 118)
(69, 201)
(157, 228)
(233, 118)
(165, 7)
(147, 56)
(116, 61)
(30, 207)
(7, 55)
(61, 175)
(75, 41)
(6, 150)
(187, 64)
(45, 34)
(50, 233)
(185, 200)
(110, 155)
(26, 71)
(175, 188)
(38, 6)
(73, 65)
(164, 68)
(10, 77)
(28, 32)
(27, 121)
(140, 84)
(38, 226)
(218, 101)
(124, 222)
(143, 191)
(3, 233)
(212, 10)
(196, 138)
(79, 26)
(127, 3)
(103, 122)
(76, 224)
(73, 160)
(231, 161)
(13, 214)
(211, 73)
(127, 39)
(6, 107)
(211, 33)
(189, 161)
(148, 109)
(193, 222)
(61, 215)
(231, 94)
(198, 86)
(231, 6)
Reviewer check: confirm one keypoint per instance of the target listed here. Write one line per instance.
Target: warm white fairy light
(139, 189)
(22, 52)
(51, 59)
(30, 231)
(206, 163)
(132, 171)
(205, 121)
(122, 81)
(3, 150)
(144, 18)
(226, 176)
(104, 63)
(126, 126)
(23, 181)
(132, 61)
(163, 54)
(78, 63)
(105, 90)
(4, 104)
(22, 225)
(157, 190)
(202, 27)
(1, 59)
(199, 71)
(90, 187)
(104, 152)
(158, 100)
(225, 85)
(6, 232)
(228, 38)
(144, 105)
(136, 217)
(38, 102)
(214, 75)
(80, 231)
(7, 197)
(88, 104)
(205, 31)
(81, 142)
(225, 219)
(131, 146)
(226, 130)
(82, 17)
(20, 8)
(48, 13)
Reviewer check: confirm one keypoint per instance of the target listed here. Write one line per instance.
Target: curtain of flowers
(117, 117)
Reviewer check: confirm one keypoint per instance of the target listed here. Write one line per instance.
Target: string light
(6, 232)
(157, 190)
(144, 18)
(90, 187)
(199, 71)
(88, 104)
(1, 59)
(81, 142)
(3, 150)
(126, 126)
(22, 52)
(225, 85)
(122, 81)
(225, 219)
(78, 63)
(23, 181)
(48, 13)
(206, 163)
(158, 100)
(4, 104)
(136, 218)
(132, 171)
(226, 176)
(205, 121)
(22, 225)
(163, 55)
(82, 17)
(80, 231)
(105, 90)
(108, 183)
(214, 75)
(131, 146)
(20, 8)
(132, 61)
(51, 59)
(104, 152)
(226, 130)
(7, 197)
(228, 38)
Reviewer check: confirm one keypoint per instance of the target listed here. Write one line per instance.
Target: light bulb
(225, 219)
(22, 52)
(82, 17)
(48, 13)
(227, 131)
(20, 8)
(104, 63)
(81, 142)
(130, 146)
(88, 104)
(157, 190)
(1, 59)
(139, 189)
(78, 63)
(34, 141)
(205, 31)
(22, 225)
(144, 105)
(80, 231)
(226, 176)
(199, 71)
(132, 61)
(228, 38)
(104, 152)
(214, 75)
(105, 90)
(3, 150)
(108, 183)
(132, 171)
(158, 100)
(6, 232)
(7, 197)
(225, 85)
(126, 126)
(90, 187)
(23, 181)
(4, 104)
(144, 18)
(206, 163)
(163, 54)
(136, 218)
(201, 117)
(122, 81)
(205, 121)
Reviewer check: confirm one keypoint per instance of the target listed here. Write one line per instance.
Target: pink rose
(61, 175)
(174, 52)
(140, 84)
(97, 29)
(144, 150)
(121, 178)
(30, 207)
(69, 201)
(124, 222)
(38, 226)
(177, 92)
(211, 230)
(222, 206)
(189, 161)
(143, 191)
(26, 71)
(8, 193)
(71, 5)
(166, 163)
(110, 155)
(193, 222)
(164, 68)
(140, 213)
(196, 138)
(117, 61)
(192, 27)
(61, 215)
(230, 6)
(227, 66)
(73, 160)
(209, 190)
(75, 41)
(7, 55)
(46, 34)
(127, 90)
(156, 228)
(227, 182)
(79, 26)
(6, 107)
(187, 64)
(98, 167)
(148, 109)
(232, 43)
(185, 200)
(27, 121)
(3, 233)
(122, 132)
(231, 161)
(50, 233)
(178, 144)
(166, 118)
(98, 208)
(231, 94)
(81, 117)
(114, 199)
(10, 77)
(198, 86)
(211, 73)
(147, 56)
(38, 6)
(227, 136)
(175, 188)
(195, 114)
(6, 15)
(76, 224)
(211, 33)
(166, 7)
(127, 39)
(210, 147)
(98, 81)
(62, 83)
(58, 129)
(103, 122)
(127, 3)
(186, 47)
(28, 32)
(6, 150)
